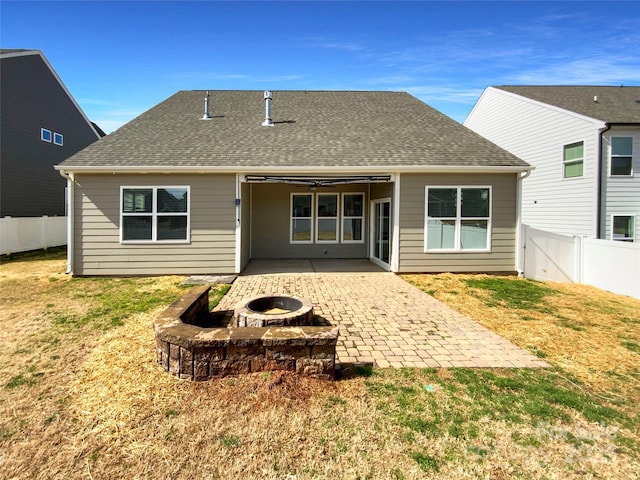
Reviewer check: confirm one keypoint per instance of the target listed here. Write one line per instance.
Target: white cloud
(348, 46)
(96, 102)
(604, 70)
(332, 44)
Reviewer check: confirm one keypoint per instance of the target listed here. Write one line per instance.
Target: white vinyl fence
(606, 264)
(31, 233)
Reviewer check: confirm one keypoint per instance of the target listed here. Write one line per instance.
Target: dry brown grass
(91, 404)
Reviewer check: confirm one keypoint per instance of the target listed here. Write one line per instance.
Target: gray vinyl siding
(536, 133)
(620, 195)
(31, 99)
(98, 250)
(381, 190)
(502, 256)
(270, 224)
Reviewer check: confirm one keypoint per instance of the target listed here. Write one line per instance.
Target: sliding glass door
(380, 231)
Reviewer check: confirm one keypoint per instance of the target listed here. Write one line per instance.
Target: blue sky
(120, 58)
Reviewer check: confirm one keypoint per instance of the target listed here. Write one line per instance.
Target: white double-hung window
(327, 218)
(457, 219)
(573, 160)
(353, 218)
(301, 218)
(623, 228)
(154, 214)
(621, 156)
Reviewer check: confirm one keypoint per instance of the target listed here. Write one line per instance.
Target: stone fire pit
(189, 348)
(274, 310)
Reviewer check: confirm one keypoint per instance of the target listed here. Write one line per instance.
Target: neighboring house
(584, 143)
(329, 174)
(41, 125)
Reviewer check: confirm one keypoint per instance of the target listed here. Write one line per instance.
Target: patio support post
(395, 238)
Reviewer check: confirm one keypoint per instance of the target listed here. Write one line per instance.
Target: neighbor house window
(623, 228)
(353, 217)
(154, 214)
(45, 135)
(573, 160)
(458, 218)
(58, 139)
(301, 218)
(327, 218)
(621, 156)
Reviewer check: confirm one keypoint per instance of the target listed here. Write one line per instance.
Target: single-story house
(206, 181)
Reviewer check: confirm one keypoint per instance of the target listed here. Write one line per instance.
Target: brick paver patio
(383, 320)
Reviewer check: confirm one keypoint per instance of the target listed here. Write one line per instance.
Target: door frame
(372, 231)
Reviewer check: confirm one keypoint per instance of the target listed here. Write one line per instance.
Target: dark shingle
(614, 104)
(313, 129)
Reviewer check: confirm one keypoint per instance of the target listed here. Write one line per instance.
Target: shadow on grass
(53, 253)
(354, 370)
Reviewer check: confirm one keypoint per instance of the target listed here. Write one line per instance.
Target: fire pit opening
(274, 310)
(274, 305)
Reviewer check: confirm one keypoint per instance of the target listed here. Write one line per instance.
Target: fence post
(522, 250)
(4, 235)
(8, 234)
(43, 231)
(578, 258)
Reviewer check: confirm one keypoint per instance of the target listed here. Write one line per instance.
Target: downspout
(599, 180)
(70, 219)
(520, 241)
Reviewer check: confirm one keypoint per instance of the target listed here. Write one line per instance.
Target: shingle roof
(614, 105)
(313, 129)
(26, 51)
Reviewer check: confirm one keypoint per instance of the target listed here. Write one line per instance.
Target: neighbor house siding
(270, 224)
(98, 250)
(537, 133)
(501, 258)
(620, 195)
(31, 99)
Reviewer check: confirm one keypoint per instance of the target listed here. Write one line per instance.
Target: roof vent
(268, 96)
(595, 98)
(206, 115)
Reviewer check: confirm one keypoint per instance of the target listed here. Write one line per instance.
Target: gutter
(70, 219)
(292, 169)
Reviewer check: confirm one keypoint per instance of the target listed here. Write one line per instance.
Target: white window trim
(458, 220)
(336, 218)
(570, 162)
(61, 142)
(48, 132)
(291, 217)
(611, 156)
(344, 217)
(154, 214)
(631, 239)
